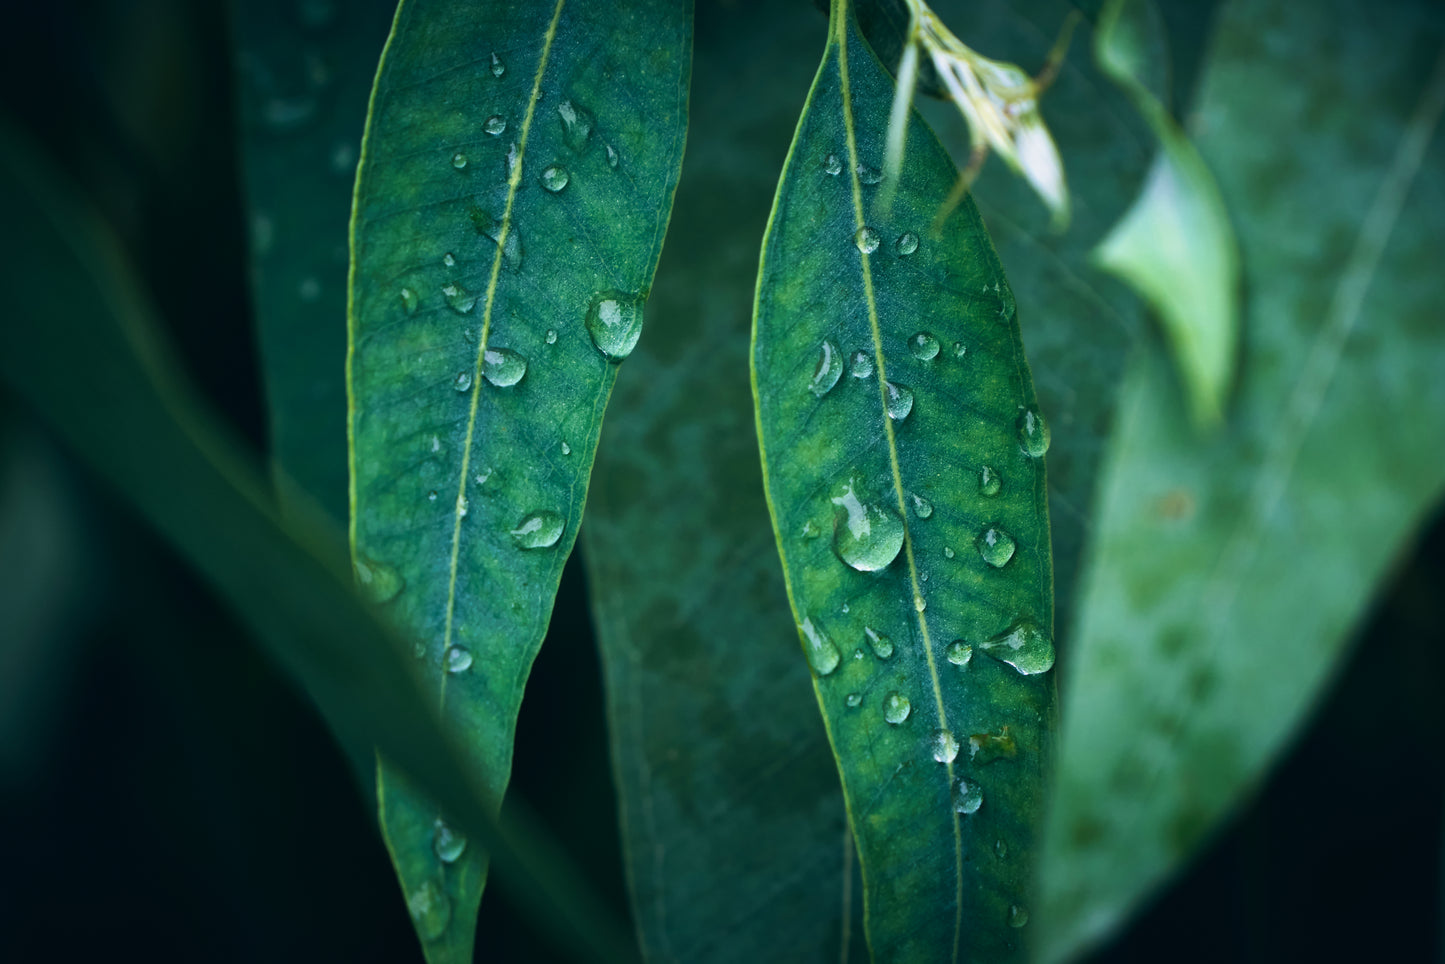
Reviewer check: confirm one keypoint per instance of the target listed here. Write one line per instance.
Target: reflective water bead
(828, 370)
(958, 653)
(577, 124)
(458, 298)
(459, 160)
(379, 582)
(409, 301)
(551, 337)
(498, 68)
(496, 125)
(1017, 916)
(1025, 647)
(503, 367)
(989, 481)
(896, 708)
(921, 506)
(967, 796)
(881, 645)
(446, 842)
(538, 530)
(822, 655)
(860, 364)
(463, 381)
(555, 178)
(924, 346)
(945, 746)
(869, 537)
(832, 165)
(449, 260)
(869, 175)
(996, 547)
(899, 401)
(907, 243)
(614, 321)
(853, 700)
(459, 659)
(866, 239)
(430, 910)
(1033, 433)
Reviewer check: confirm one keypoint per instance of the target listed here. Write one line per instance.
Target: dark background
(164, 792)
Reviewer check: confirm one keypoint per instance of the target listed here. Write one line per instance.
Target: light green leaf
(735, 834)
(1175, 246)
(514, 189)
(902, 456)
(1227, 573)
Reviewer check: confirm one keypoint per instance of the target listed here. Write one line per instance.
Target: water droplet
(503, 367)
(446, 842)
(828, 370)
(1000, 849)
(860, 364)
(869, 175)
(896, 708)
(924, 346)
(907, 243)
(919, 604)
(431, 496)
(989, 481)
(967, 797)
(612, 157)
(984, 748)
(881, 645)
(379, 582)
(510, 240)
(555, 177)
(496, 125)
(459, 160)
(921, 506)
(809, 530)
(449, 260)
(498, 68)
(854, 699)
(514, 156)
(409, 301)
(996, 547)
(459, 299)
(900, 401)
(945, 746)
(948, 552)
(822, 655)
(858, 653)
(463, 381)
(430, 909)
(436, 444)
(459, 659)
(866, 239)
(463, 506)
(845, 607)
(959, 349)
(870, 537)
(1033, 433)
(577, 123)
(1017, 916)
(566, 449)
(614, 321)
(481, 477)
(1025, 647)
(551, 337)
(539, 530)
(958, 653)
(832, 165)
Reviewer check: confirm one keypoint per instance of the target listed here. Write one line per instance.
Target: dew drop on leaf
(447, 843)
(945, 746)
(828, 370)
(967, 796)
(860, 364)
(896, 708)
(881, 645)
(832, 165)
(996, 547)
(459, 299)
(379, 582)
(822, 655)
(577, 124)
(907, 243)
(449, 259)
(503, 367)
(1017, 916)
(921, 506)
(496, 125)
(899, 401)
(463, 381)
(853, 700)
(551, 336)
(866, 537)
(430, 909)
(1024, 646)
(924, 346)
(989, 481)
(459, 659)
(409, 301)
(866, 239)
(1033, 433)
(869, 175)
(538, 530)
(459, 160)
(958, 653)
(498, 68)
(614, 321)
(555, 178)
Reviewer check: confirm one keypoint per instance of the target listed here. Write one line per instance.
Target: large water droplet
(539, 530)
(945, 746)
(881, 645)
(459, 299)
(996, 547)
(430, 909)
(865, 536)
(828, 370)
(958, 653)
(860, 364)
(498, 68)
(907, 243)
(1033, 433)
(378, 582)
(921, 506)
(614, 320)
(822, 655)
(924, 346)
(555, 177)
(899, 401)
(896, 708)
(459, 659)
(967, 796)
(989, 481)
(459, 160)
(496, 125)
(446, 842)
(503, 367)
(832, 165)
(866, 239)
(409, 301)
(1025, 647)
(463, 381)
(577, 124)
(1018, 916)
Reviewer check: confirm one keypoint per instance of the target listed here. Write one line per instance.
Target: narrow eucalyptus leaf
(892, 391)
(515, 184)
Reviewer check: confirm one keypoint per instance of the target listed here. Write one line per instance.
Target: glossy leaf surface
(902, 455)
(514, 189)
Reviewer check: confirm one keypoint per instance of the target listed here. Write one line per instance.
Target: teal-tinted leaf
(1228, 573)
(82, 349)
(1175, 246)
(514, 188)
(304, 75)
(892, 547)
(732, 814)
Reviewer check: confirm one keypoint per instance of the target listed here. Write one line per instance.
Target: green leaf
(305, 72)
(514, 188)
(84, 351)
(735, 834)
(1175, 246)
(1227, 573)
(908, 499)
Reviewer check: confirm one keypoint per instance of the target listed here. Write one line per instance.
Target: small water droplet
(514, 157)
(1017, 916)
(539, 530)
(510, 240)
(481, 477)
(1024, 646)
(958, 653)
(860, 364)
(459, 299)
(551, 337)
(1033, 433)
(459, 160)
(989, 481)
(899, 401)
(463, 381)
(555, 177)
(845, 607)
(921, 506)
(948, 552)
(409, 301)
(459, 659)
(449, 260)
(881, 645)
(996, 547)
(853, 700)
(577, 123)
(496, 125)
(498, 68)
(967, 796)
(924, 346)
(858, 653)
(566, 449)
(614, 320)
(430, 909)
(959, 349)
(896, 708)
(832, 165)
(809, 530)
(379, 582)
(869, 175)
(1000, 849)
(984, 748)
(866, 239)
(436, 444)
(446, 842)
(463, 506)
(907, 243)
(822, 655)
(828, 370)
(612, 158)
(919, 604)
(503, 367)
(431, 496)
(945, 746)
(865, 536)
